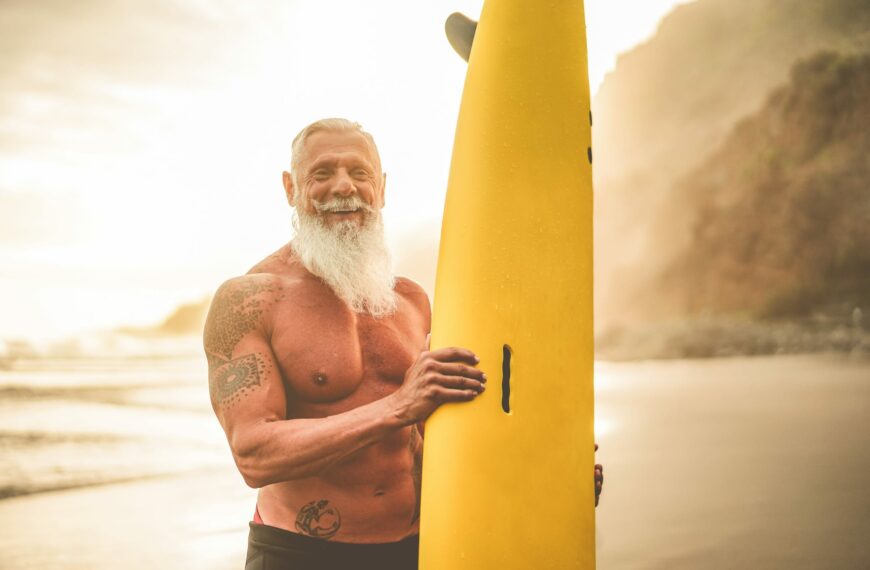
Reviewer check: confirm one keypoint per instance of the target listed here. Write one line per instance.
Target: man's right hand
(437, 377)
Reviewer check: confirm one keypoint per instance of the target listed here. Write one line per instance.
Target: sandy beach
(196, 521)
(726, 463)
(735, 463)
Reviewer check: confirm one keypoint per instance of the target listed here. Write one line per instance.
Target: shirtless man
(320, 373)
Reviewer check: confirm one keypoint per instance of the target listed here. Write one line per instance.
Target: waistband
(273, 537)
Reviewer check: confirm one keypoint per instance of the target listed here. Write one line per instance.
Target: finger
(445, 395)
(458, 383)
(457, 369)
(455, 354)
(428, 341)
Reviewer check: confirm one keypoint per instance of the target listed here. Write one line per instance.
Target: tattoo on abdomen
(231, 380)
(319, 519)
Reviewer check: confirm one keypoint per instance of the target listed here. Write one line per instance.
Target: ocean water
(71, 422)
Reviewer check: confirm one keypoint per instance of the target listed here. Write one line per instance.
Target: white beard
(352, 260)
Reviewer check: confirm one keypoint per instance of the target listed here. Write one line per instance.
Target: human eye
(321, 174)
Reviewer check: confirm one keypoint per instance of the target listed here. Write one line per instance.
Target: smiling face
(338, 179)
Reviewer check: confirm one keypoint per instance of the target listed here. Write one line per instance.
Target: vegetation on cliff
(782, 209)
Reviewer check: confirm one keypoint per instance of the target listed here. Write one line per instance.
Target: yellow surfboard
(507, 478)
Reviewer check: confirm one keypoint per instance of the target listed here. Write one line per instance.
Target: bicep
(247, 387)
(247, 395)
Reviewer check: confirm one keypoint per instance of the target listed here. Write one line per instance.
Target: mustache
(348, 203)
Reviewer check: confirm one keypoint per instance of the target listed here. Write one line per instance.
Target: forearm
(284, 450)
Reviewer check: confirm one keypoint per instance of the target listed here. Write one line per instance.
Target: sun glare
(136, 188)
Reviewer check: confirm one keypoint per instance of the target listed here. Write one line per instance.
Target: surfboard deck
(507, 478)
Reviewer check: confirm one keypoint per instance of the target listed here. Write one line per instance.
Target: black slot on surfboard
(506, 379)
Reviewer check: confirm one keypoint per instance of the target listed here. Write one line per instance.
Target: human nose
(344, 184)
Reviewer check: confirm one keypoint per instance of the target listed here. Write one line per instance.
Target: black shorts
(271, 548)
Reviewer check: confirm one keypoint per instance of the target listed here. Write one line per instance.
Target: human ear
(289, 189)
(383, 199)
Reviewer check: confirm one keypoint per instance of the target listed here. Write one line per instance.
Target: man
(320, 373)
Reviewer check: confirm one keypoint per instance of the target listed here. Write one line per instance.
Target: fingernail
(484, 376)
(482, 387)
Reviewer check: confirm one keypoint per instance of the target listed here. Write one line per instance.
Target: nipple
(320, 379)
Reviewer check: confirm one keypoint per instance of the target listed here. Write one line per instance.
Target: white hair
(334, 124)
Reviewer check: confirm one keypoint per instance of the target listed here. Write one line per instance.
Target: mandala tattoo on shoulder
(319, 519)
(235, 311)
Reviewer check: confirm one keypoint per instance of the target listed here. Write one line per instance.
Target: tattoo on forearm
(231, 380)
(415, 444)
(319, 519)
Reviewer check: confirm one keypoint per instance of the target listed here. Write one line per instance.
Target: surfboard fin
(460, 33)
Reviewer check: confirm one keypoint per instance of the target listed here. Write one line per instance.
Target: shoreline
(11, 492)
(719, 337)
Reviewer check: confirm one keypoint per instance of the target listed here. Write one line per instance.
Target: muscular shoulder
(240, 306)
(415, 294)
(274, 263)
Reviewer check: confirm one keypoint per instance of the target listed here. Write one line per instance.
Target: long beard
(352, 260)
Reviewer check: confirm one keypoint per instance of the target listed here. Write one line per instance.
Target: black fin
(460, 33)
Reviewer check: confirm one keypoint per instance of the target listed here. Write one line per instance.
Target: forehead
(334, 145)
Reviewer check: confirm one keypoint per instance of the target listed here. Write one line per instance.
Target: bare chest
(332, 359)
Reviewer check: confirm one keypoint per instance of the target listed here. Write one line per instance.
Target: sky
(142, 141)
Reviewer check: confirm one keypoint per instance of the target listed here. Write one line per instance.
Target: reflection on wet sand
(735, 463)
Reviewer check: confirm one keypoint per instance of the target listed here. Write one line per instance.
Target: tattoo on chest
(231, 380)
(319, 519)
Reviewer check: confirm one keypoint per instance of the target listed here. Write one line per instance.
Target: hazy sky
(142, 141)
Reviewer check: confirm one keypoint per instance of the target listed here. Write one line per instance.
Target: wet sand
(714, 464)
(192, 521)
(735, 463)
